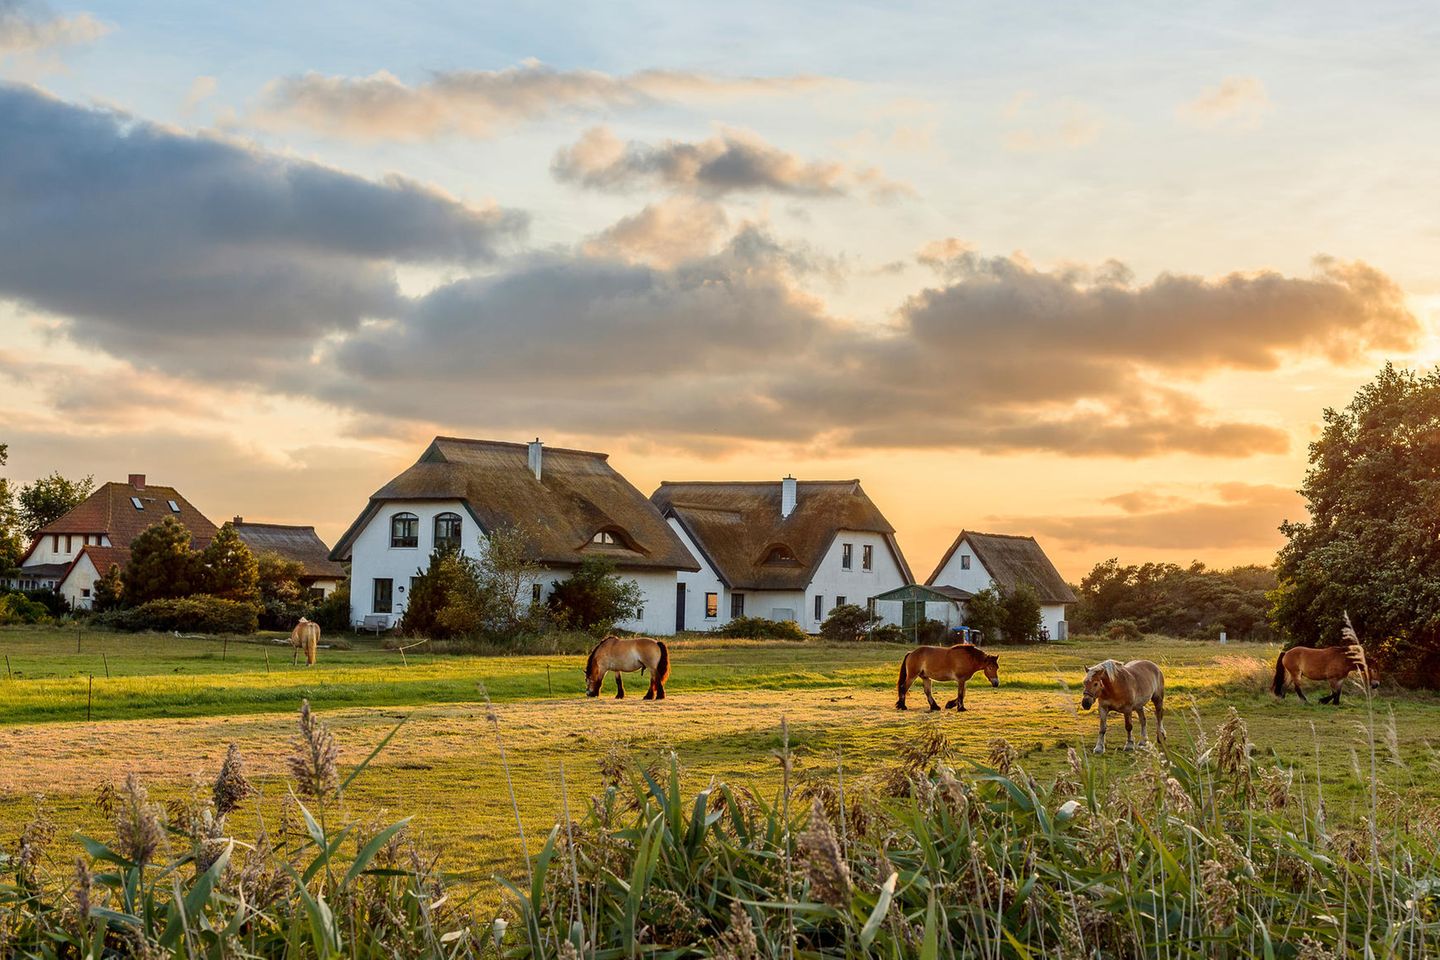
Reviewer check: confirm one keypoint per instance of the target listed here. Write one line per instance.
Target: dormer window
(174, 507)
(135, 502)
(606, 537)
(780, 554)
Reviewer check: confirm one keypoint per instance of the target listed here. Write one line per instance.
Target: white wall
(856, 585)
(79, 586)
(47, 552)
(1051, 616)
(371, 557)
(699, 584)
(974, 580)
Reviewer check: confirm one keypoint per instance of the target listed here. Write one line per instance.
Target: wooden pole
(547, 680)
(267, 661)
(89, 698)
(77, 638)
(107, 665)
(8, 674)
(224, 648)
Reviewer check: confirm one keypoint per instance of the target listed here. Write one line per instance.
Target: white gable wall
(78, 587)
(372, 557)
(977, 578)
(857, 585)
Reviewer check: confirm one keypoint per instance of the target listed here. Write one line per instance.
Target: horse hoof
(1098, 751)
(901, 706)
(961, 709)
(934, 709)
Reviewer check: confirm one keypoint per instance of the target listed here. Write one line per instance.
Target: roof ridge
(517, 445)
(746, 483)
(997, 536)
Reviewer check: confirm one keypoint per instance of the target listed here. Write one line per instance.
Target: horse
(625, 655)
(306, 637)
(1125, 688)
(1321, 663)
(958, 662)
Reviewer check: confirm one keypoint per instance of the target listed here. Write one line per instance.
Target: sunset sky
(1088, 273)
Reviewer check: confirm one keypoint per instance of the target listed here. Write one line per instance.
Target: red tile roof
(110, 510)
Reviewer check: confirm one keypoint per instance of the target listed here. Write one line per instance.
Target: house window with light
(404, 530)
(867, 557)
(712, 606)
(447, 531)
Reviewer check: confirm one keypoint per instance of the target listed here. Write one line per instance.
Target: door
(679, 607)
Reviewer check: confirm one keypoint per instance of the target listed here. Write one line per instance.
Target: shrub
(889, 633)
(282, 599)
(931, 633)
(446, 600)
(594, 598)
(195, 614)
(109, 591)
(161, 564)
(333, 613)
(849, 622)
(53, 601)
(759, 628)
(1122, 630)
(16, 608)
(1021, 606)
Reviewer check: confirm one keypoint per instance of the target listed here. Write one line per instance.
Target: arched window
(780, 554)
(447, 531)
(404, 530)
(606, 537)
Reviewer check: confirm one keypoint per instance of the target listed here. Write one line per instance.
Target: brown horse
(626, 655)
(1322, 663)
(306, 638)
(959, 663)
(1127, 689)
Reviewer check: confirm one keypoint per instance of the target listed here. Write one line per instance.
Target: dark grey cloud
(730, 162)
(192, 252)
(478, 103)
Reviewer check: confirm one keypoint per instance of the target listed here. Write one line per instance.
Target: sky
(1089, 274)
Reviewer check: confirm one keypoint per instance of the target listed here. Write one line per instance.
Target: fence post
(8, 674)
(107, 665)
(548, 686)
(89, 698)
(267, 661)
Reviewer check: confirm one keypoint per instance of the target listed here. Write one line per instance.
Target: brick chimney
(137, 480)
(238, 520)
(537, 456)
(788, 495)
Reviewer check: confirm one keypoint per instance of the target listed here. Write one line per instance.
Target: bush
(889, 633)
(759, 628)
(195, 614)
(162, 565)
(53, 601)
(447, 600)
(17, 608)
(931, 633)
(594, 599)
(1122, 630)
(333, 613)
(849, 623)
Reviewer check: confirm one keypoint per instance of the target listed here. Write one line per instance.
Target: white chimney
(536, 455)
(787, 496)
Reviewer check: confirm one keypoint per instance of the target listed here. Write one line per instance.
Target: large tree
(230, 568)
(12, 543)
(50, 498)
(1372, 544)
(162, 565)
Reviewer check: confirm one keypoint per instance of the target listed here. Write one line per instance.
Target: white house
(978, 561)
(570, 504)
(97, 533)
(319, 574)
(783, 550)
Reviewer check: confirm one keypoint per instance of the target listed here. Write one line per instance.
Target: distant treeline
(1177, 601)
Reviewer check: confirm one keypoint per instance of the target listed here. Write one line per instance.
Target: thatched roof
(577, 496)
(1012, 560)
(111, 510)
(301, 544)
(738, 527)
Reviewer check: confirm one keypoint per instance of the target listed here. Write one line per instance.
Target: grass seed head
(1002, 756)
(823, 862)
(313, 761)
(138, 830)
(231, 786)
(738, 941)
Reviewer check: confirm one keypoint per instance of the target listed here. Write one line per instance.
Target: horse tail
(661, 672)
(900, 684)
(1278, 687)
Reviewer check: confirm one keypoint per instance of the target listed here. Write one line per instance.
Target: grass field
(167, 707)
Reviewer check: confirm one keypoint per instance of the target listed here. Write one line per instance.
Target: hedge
(194, 614)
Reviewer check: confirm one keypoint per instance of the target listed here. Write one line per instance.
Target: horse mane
(1109, 666)
(590, 661)
(972, 650)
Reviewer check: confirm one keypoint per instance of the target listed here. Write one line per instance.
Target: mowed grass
(170, 706)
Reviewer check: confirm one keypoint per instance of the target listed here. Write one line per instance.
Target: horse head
(1094, 685)
(992, 669)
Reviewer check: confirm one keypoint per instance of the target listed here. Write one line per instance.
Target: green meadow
(166, 708)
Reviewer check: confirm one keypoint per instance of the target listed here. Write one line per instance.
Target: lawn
(167, 707)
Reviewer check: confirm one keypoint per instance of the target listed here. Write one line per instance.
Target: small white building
(319, 574)
(979, 561)
(570, 504)
(780, 549)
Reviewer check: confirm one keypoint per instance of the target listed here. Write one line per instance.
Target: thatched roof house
(977, 561)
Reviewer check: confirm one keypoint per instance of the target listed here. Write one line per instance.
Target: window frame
(452, 543)
(847, 556)
(867, 557)
(389, 595)
(819, 606)
(737, 605)
(712, 606)
(964, 561)
(398, 542)
(840, 600)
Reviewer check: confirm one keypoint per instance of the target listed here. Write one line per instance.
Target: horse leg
(619, 686)
(1144, 735)
(1100, 740)
(1336, 685)
(960, 700)
(1298, 692)
(659, 690)
(650, 691)
(1159, 702)
(928, 695)
(1129, 736)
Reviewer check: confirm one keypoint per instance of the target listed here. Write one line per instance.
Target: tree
(162, 565)
(594, 598)
(109, 591)
(985, 611)
(282, 596)
(50, 498)
(1177, 601)
(848, 622)
(12, 541)
(446, 600)
(1372, 544)
(230, 570)
(1021, 614)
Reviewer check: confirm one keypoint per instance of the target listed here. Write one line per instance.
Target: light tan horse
(306, 638)
(626, 655)
(959, 663)
(1126, 688)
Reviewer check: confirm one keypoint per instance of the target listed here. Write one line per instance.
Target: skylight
(174, 507)
(138, 505)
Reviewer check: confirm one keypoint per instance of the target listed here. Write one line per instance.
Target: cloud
(478, 103)
(202, 255)
(27, 27)
(730, 162)
(1037, 126)
(1237, 101)
(663, 234)
(202, 88)
(1223, 516)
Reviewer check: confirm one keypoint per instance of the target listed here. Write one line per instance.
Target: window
(316, 593)
(819, 607)
(712, 606)
(780, 555)
(867, 557)
(404, 530)
(69, 543)
(135, 502)
(737, 604)
(840, 601)
(870, 605)
(174, 507)
(55, 543)
(447, 531)
(534, 593)
(605, 537)
(964, 561)
(85, 592)
(382, 602)
(847, 556)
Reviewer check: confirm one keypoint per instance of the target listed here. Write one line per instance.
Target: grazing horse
(1126, 688)
(959, 662)
(625, 655)
(306, 637)
(1322, 663)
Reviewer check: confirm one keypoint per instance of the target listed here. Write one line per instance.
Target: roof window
(174, 507)
(135, 501)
